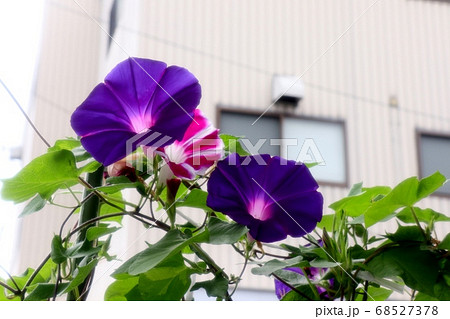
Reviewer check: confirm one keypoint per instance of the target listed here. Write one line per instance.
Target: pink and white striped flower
(198, 150)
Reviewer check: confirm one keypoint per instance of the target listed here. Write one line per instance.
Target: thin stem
(58, 280)
(271, 255)
(36, 272)
(71, 213)
(366, 287)
(94, 220)
(73, 232)
(11, 278)
(203, 255)
(413, 294)
(241, 274)
(25, 114)
(280, 279)
(102, 197)
(15, 292)
(418, 223)
(313, 287)
(74, 196)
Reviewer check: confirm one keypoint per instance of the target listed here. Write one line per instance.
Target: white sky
(20, 25)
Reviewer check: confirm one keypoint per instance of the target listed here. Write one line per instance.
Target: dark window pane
(241, 125)
(435, 156)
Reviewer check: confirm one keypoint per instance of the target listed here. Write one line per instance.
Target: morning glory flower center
(259, 209)
(140, 124)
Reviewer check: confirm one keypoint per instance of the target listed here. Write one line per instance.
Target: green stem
(311, 285)
(418, 223)
(203, 255)
(15, 292)
(89, 211)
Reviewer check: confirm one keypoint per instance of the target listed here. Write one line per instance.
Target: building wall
(358, 55)
(67, 72)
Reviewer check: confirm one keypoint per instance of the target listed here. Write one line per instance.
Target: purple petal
(274, 197)
(137, 99)
(144, 75)
(112, 141)
(101, 111)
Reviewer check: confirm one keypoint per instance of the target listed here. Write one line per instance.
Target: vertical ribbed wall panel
(398, 48)
(67, 72)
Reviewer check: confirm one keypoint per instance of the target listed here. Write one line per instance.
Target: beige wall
(67, 72)
(398, 48)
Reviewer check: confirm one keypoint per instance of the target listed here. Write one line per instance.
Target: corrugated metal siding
(398, 48)
(67, 72)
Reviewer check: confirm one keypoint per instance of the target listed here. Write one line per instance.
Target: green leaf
(406, 233)
(35, 205)
(377, 293)
(89, 166)
(424, 297)
(294, 296)
(170, 280)
(418, 268)
(196, 199)
(99, 231)
(120, 290)
(356, 205)
(6, 295)
(172, 243)
(429, 185)
(357, 252)
(82, 249)
(81, 274)
(407, 193)
(320, 263)
(423, 215)
(291, 277)
(221, 232)
(273, 265)
(44, 291)
(233, 145)
(23, 278)
(393, 285)
(445, 244)
(67, 144)
(58, 253)
(356, 189)
(43, 175)
(106, 209)
(217, 287)
(326, 222)
(116, 184)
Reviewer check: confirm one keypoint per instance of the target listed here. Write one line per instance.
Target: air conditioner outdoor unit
(287, 88)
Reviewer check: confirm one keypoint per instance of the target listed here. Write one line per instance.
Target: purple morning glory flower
(272, 196)
(141, 102)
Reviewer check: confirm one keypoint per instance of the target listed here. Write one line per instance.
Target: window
(239, 124)
(300, 139)
(318, 142)
(434, 155)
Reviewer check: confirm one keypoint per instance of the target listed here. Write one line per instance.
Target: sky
(20, 26)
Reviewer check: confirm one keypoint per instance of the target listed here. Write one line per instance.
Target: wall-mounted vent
(287, 89)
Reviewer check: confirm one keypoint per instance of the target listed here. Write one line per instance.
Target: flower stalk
(89, 211)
